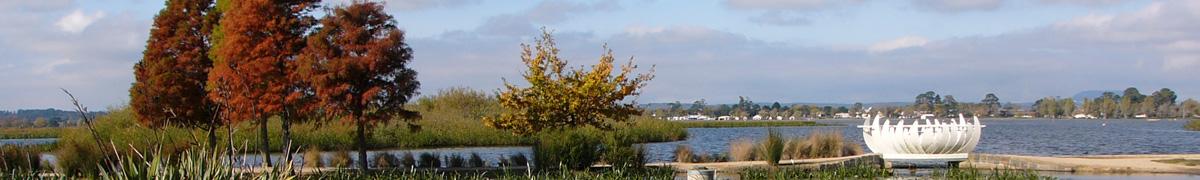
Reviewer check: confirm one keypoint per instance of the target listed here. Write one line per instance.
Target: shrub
(741, 150)
(429, 160)
(455, 161)
(475, 161)
(312, 157)
(572, 149)
(627, 157)
(386, 160)
(1193, 125)
(408, 161)
(771, 147)
(76, 159)
(683, 153)
(341, 159)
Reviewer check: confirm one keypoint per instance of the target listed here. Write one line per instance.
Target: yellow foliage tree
(562, 97)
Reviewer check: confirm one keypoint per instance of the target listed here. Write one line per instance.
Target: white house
(757, 117)
(841, 115)
(724, 118)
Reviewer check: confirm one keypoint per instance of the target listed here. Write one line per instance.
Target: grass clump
(683, 153)
(386, 160)
(341, 159)
(771, 147)
(742, 150)
(428, 160)
(408, 160)
(476, 161)
(515, 160)
(312, 157)
(821, 144)
(455, 161)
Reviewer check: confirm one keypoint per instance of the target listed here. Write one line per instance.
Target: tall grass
(725, 124)
(771, 147)
(683, 153)
(572, 149)
(821, 144)
(742, 150)
(20, 158)
(27, 133)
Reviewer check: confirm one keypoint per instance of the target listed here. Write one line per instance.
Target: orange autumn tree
(250, 77)
(170, 79)
(357, 62)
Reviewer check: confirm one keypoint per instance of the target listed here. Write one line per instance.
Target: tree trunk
(287, 138)
(212, 137)
(362, 143)
(265, 146)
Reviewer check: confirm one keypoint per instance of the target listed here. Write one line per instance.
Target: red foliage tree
(357, 62)
(170, 78)
(259, 39)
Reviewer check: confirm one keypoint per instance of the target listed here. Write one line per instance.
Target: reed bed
(754, 123)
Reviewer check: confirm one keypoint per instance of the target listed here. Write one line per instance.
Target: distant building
(841, 115)
(724, 118)
(757, 117)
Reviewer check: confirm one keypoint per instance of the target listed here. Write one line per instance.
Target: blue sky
(770, 50)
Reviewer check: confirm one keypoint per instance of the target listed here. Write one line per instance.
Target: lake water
(31, 141)
(1043, 137)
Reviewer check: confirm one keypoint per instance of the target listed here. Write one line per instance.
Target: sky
(820, 51)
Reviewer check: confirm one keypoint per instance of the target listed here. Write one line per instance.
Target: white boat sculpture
(933, 140)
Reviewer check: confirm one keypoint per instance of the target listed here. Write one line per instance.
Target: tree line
(213, 64)
(1130, 104)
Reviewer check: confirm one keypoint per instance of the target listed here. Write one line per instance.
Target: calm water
(32, 141)
(1026, 137)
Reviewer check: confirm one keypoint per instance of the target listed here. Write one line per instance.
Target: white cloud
(77, 21)
(898, 43)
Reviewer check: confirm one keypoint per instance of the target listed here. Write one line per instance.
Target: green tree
(992, 103)
(1066, 107)
(592, 97)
